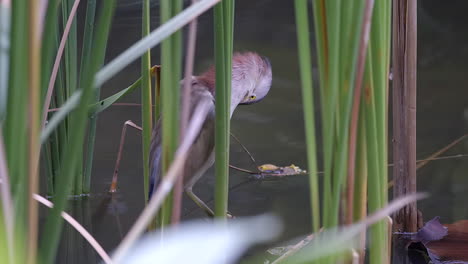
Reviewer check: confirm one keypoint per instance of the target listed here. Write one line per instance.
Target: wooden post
(404, 109)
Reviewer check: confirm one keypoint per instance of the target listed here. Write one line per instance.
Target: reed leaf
(105, 103)
(153, 39)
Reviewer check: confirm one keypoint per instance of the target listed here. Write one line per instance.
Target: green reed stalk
(302, 23)
(60, 134)
(166, 99)
(348, 57)
(48, 165)
(146, 108)
(34, 124)
(170, 90)
(72, 151)
(71, 74)
(360, 190)
(92, 121)
(377, 233)
(322, 59)
(379, 49)
(15, 127)
(338, 29)
(5, 15)
(48, 47)
(223, 21)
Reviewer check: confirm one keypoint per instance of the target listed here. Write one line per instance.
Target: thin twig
(243, 170)
(167, 182)
(192, 39)
(439, 152)
(78, 227)
(245, 149)
(60, 50)
(434, 156)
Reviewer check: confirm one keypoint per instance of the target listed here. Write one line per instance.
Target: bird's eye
(252, 97)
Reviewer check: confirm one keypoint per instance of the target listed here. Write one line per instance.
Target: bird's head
(251, 77)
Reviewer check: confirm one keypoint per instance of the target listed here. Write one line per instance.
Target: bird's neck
(207, 79)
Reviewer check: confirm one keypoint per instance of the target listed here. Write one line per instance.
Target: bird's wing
(201, 156)
(199, 159)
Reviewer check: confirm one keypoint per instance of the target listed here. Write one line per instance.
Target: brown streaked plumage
(251, 81)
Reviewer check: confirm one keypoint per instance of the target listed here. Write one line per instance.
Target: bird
(251, 82)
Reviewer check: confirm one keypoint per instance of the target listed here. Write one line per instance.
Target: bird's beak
(247, 101)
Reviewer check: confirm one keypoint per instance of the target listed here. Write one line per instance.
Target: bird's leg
(198, 201)
(189, 185)
(113, 187)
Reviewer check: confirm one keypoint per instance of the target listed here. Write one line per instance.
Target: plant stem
(92, 121)
(302, 23)
(146, 116)
(223, 56)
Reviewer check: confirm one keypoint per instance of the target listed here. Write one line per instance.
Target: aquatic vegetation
(49, 120)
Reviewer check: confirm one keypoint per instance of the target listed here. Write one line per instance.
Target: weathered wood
(404, 109)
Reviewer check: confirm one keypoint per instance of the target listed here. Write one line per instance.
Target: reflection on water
(273, 130)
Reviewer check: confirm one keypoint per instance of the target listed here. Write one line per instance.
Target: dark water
(273, 129)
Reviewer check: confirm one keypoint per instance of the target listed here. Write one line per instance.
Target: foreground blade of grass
(302, 23)
(65, 110)
(333, 241)
(154, 38)
(53, 225)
